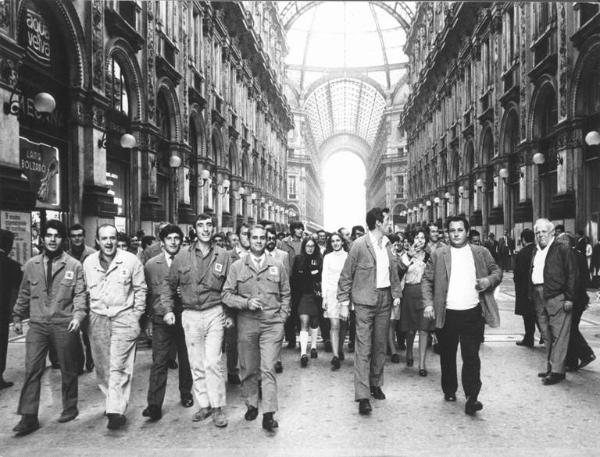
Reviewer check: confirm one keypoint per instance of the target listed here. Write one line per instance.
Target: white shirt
(462, 294)
(333, 263)
(168, 258)
(539, 261)
(382, 262)
(259, 260)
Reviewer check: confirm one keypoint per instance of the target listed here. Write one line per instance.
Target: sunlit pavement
(319, 417)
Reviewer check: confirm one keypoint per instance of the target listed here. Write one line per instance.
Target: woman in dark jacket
(523, 303)
(305, 283)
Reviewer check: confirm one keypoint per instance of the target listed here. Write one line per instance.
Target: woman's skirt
(411, 314)
(310, 305)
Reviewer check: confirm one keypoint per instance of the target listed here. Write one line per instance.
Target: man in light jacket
(457, 288)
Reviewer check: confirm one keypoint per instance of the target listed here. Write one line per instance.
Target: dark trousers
(231, 349)
(372, 327)
(529, 322)
(3, 345)
(292, 324)
(84, 351)
(578, 346)
(37, 343)
(163, 338)
(465, 327)
(351, 329)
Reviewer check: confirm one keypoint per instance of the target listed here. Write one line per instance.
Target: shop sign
(20, 225)
(40, 165)
(38, 37)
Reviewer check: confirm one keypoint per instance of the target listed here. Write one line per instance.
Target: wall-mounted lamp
(224, 187)
(420, 205)
(428, 202)
(479, 184)
(253, 197)
(503, 173)
(43, 103)
(262, 200)
(436, 200)
(592, 138)
(521, 174)
(447, 196)
(464, 193)
(409, 211)
(241, 192)
(539, 158)
(204, 177)
(415, 209)
(127, 141)
(174, 161)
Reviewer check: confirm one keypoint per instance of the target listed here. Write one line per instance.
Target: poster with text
(20, 225)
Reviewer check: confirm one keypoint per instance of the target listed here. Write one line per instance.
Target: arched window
(116, 88)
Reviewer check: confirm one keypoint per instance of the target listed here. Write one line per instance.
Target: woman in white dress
(333, 262)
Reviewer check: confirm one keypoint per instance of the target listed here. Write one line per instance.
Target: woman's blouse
(415, 267)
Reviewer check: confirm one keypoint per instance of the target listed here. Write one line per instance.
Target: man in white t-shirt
(457, 287)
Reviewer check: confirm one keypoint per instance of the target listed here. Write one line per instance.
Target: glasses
(271, 238)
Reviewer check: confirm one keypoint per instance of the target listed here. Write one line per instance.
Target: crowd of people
(222, 304)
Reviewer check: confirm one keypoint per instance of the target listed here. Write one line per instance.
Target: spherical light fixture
(539, 158)
(503, 173)
(592, 138)
(174, 161)
(128, 141)
(44, 103)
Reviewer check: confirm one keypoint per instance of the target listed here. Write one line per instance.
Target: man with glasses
(80, 251)
(53, 296)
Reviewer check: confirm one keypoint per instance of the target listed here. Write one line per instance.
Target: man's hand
(568, 306)
(482, 284)
(228, 322)
(18, 328)
(169, 318)
(396, 302)
(428, 312)
(254, 304)
(73, 326)
(344, 311)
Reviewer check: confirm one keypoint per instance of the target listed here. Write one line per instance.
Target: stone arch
(216, 143)
(454, 172)
(509, 130)
(245, 172)
(232, 158)
(486, 145)
(543, 99)
(469, 157)
(166, 89)
(346, 142)
(198, 126)
(123, 53)
(587, 64)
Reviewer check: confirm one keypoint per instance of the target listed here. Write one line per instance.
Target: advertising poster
(40, 164)
(20, 225)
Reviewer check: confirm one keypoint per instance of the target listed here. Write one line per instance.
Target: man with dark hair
(199, 273)
(372, 287)
(506, 248)
(167, 328)
(474, 236)
(293, 246)
(345, 233)
(53, 295)
(457, 289)
(492, 245)
(435, 241)
(258, 287)
(559, 229)
(117, 295)
(80, 251)
(10, 278)
(219, 239)
(523, 302)
(357, 232)
(241, 248)
(155, 248)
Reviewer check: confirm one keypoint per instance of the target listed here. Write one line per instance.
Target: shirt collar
(384, 240)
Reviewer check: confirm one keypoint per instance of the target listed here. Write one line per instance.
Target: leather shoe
(472, 406)
(268, 423)
(304, 361)
(187, 402)
(89, 365)
(251, 413)
(68, 416)
(377, 393)
(115, 421)
(29, 423)
(587, 360)
(450, 397)
(364, 407)
(422, 372)
(524, 342)
(202, 414)
(6, 384)
(342, 357)
(410, 362)
(172, 364)
(553, 378)
(278, 367)
(233, 379)
(153, 412)
(543, 374)
(335, 363)
(395, 358)
(313, 353)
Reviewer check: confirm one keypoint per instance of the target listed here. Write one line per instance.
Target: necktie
(49, 276)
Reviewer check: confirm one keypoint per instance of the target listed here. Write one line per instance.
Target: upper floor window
(116, 88)
(292, 192)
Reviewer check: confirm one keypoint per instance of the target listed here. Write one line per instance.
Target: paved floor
(318, 415)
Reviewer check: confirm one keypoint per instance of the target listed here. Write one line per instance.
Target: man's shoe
(472, 406)
(115, 421)
(68, 416)
(152, 412)
(377, 393)
(350, 347)
(187, 402)
(553, 378)
(304, 361)
(172, 364)
(584, 361)
(291, 345)
(543, 374)
(251, 413)
(395, 358)
(313, 353)
(450, 397)
(278, 367)
(342, 357)
(525, 342)
(219, 418)
(328, 347)
(89, 365)
(269, 423)
(6, 384)
(335, 363)
(29, 423)
(202, 414)
(233, 379)
(364, 407)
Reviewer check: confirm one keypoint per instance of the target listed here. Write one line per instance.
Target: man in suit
(553, 278)
(10, 278)
(523, 303)
(370, 278)
(457, 288)
(293, 245)
(167, 328)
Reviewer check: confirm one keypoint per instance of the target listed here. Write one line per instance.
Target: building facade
(162, 110)
(503, 97)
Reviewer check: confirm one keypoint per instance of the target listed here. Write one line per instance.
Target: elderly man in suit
(553, 279)
(457, 287)
(370, 278)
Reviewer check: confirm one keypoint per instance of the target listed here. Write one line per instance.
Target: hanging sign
(40, 165)
(38, 37)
